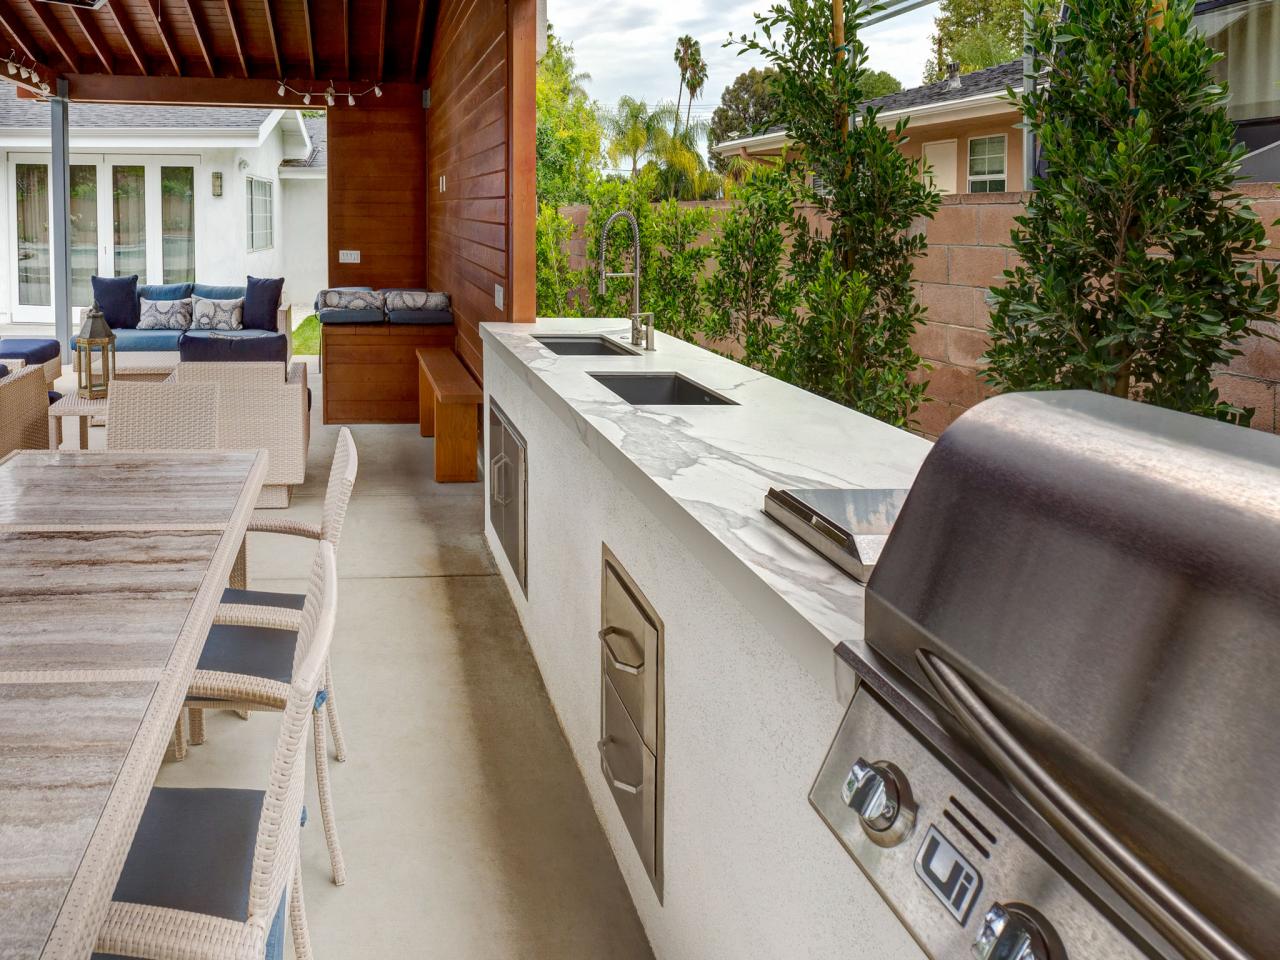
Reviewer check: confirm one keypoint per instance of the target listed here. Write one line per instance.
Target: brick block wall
(968, 253)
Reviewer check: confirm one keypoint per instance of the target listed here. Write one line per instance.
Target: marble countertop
(704, 470)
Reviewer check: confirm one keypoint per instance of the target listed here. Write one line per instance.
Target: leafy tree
(555, 281)
(677, 169)
(975, 34)
(683, 57)
(674, 269)
(747, 106)
(1138, 270)
(879, 83)
(569, 131)
(631, 131)
(696, 79)
(851, 340)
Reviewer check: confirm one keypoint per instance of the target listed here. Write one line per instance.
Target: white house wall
(305, 208)
(222, 243)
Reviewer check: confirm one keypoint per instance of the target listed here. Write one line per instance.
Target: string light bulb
(306, 98)
(13, 68)
(280, 89)
(329, 95)
(24, 72)
(351, 99)
(377, 90)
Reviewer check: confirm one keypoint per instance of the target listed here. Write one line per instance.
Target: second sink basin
(583, 345)
(660, 389)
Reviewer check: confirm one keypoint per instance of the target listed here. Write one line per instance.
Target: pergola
(375, 65)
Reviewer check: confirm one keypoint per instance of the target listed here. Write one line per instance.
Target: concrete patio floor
(466, 827)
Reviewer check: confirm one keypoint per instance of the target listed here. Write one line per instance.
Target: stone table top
(101, 630)
(114, 490)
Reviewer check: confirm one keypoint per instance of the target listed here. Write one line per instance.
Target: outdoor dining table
(112, 565)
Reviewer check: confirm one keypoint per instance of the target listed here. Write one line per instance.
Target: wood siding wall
(378, 196)
(480, 136)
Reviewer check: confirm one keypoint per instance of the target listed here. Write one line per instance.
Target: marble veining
(705, 469)
(81, 489)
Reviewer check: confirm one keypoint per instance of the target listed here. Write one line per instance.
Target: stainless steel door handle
(497, 470)
(623, 785)
(624, 666)
(1163, 907)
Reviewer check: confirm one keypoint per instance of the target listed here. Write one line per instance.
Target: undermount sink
(584, 345)
(660, 389)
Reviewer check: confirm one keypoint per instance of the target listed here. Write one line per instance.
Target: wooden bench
(370, 372)
(448, 409)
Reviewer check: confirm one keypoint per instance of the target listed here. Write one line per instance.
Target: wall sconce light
(217, 183)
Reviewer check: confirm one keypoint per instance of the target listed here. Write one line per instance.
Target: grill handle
(1185, 927)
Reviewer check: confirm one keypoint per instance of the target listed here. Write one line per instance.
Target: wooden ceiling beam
(166, 41)
(346, 38)
(311, 40)
(198, 27)
(23, 42)
(420, 27)
(93, 33)
(131, 41)
(57, 36)
(275, 40)
(235, 37)
(216, 92)
(382, 42)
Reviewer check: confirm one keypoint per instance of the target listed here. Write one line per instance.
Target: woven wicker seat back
(162, 416)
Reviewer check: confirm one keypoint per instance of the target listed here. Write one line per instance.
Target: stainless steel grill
(1083, 594)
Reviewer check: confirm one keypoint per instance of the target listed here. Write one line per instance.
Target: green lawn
(306, 337)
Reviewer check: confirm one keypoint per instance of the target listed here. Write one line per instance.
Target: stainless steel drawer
(630, 658)
(631, 769)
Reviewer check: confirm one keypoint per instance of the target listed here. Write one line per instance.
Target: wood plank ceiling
(302, 42)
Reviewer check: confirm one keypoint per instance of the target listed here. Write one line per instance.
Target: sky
(626, 45)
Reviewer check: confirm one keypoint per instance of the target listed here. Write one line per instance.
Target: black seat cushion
(205, 346)
(194, 851)
(33, 350)
(250, 651)
(263, 598)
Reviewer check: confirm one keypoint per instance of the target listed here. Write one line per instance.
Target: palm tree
(630, 131)
(696, 78)
(685, 48)
(676, 164)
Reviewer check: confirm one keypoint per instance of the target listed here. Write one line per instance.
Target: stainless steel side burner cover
(1104, 578)
(848, 527)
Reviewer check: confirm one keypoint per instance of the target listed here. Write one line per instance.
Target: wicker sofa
(260, 406)
(24, 411)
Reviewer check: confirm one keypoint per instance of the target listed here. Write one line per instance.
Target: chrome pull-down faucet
(641, 323)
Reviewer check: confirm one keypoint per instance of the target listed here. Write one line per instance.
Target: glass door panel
(32, 201)
(84, 232)
(178, 218)
(129, 215)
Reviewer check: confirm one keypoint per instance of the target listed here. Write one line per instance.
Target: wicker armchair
(261, 406)
(210, 871)
(24, 411)
(260, 620)
(161, 416)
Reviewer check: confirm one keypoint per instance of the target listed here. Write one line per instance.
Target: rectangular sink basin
(584, 345)
(660, 389)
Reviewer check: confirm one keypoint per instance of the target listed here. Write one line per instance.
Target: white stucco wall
(222, 245)
(304, 204)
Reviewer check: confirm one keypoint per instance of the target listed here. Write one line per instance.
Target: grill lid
(1105, 577)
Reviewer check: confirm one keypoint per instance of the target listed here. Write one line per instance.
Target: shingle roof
(318, 159)
(23, 113)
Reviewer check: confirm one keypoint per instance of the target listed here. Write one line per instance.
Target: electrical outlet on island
(348, 256)
(497, 295)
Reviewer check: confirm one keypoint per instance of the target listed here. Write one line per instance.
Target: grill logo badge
(951, 877)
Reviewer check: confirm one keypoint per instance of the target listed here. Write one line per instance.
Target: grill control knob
(879, 795)
(1010, 933)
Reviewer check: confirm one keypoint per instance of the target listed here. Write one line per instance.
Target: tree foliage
(569, 131)
(975, 34)
(747, 106)
(879, 83)
(853, 260)
(1138, 273)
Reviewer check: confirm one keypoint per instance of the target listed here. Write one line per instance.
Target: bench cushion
(164, 291)
(128, 341)
(234, 345)
(218, 291)
(32, 351)
(426, 318)
(343, 315)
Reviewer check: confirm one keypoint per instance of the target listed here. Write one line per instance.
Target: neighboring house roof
(18, 113)
(318, 157)
(978, 94)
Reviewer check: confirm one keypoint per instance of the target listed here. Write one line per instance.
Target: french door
(129, 214)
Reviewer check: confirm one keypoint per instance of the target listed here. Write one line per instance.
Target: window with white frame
(987, 156)
(261, 210)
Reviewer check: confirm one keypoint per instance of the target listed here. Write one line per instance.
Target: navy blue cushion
(426, 318)
(341, 315)
(261, 301)
(212, 292)
(250, 651)
(4, 371)
(128, 341)
(264, 598)
(232, 345)
(54, 396)
(165, 291)
(117, 298)
(31, 350)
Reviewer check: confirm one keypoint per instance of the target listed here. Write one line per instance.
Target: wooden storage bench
(449, 404)
(370, 371)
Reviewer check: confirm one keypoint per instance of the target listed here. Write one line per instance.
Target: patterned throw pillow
(415, 300)
(165, 314)
(216, 314)
(349, 300)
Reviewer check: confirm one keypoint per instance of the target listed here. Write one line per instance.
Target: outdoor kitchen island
(687, 641)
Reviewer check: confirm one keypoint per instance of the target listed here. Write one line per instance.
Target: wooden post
(522, 187)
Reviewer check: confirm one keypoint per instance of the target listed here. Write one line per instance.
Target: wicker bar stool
(210, 871)
(242, 666)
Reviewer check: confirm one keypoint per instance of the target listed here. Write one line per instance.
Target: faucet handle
(642, 323)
